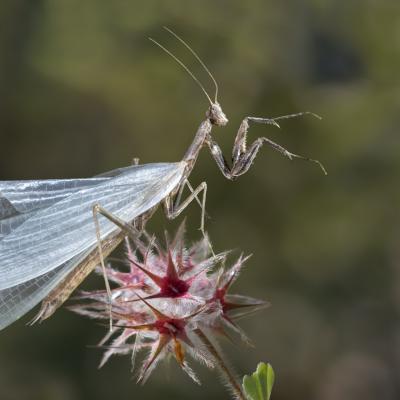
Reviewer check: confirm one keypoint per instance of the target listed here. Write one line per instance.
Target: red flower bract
(167, 300)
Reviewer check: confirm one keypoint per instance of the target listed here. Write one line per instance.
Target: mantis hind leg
(64, 289)
(126, 228)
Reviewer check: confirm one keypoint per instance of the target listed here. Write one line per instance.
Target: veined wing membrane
(25, 197)
(19, 200)
(18, 300)
(54, 235)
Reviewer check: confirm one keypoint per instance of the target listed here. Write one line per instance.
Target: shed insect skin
(242, 158)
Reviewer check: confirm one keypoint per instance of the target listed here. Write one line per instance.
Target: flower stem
(225, 370)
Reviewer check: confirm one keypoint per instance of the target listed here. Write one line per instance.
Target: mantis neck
(194, 149)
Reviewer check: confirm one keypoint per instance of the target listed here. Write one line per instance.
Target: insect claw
(314, 115)
(276, 124)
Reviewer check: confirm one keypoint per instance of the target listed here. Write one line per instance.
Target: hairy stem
(225, 370)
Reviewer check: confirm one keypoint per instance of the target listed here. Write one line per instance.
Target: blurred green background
(83, 91)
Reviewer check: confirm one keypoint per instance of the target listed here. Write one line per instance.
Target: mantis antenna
(184, 67)
(197, 58)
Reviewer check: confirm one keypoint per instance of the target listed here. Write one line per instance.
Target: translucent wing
(54, 235)
(19, 200)
(18, 300)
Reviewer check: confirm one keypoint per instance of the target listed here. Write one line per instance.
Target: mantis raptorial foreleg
(243, 157)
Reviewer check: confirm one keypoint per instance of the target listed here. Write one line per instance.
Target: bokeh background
(83, 91)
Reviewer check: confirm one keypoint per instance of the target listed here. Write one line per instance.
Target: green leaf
(258, 386)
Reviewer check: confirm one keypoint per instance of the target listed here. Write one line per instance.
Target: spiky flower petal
(164, 299)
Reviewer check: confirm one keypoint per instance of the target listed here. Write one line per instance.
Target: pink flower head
(164, 299)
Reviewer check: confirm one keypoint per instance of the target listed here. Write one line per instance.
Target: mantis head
(216, 115)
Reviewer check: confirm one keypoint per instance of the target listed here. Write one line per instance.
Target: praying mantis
(53, 233)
